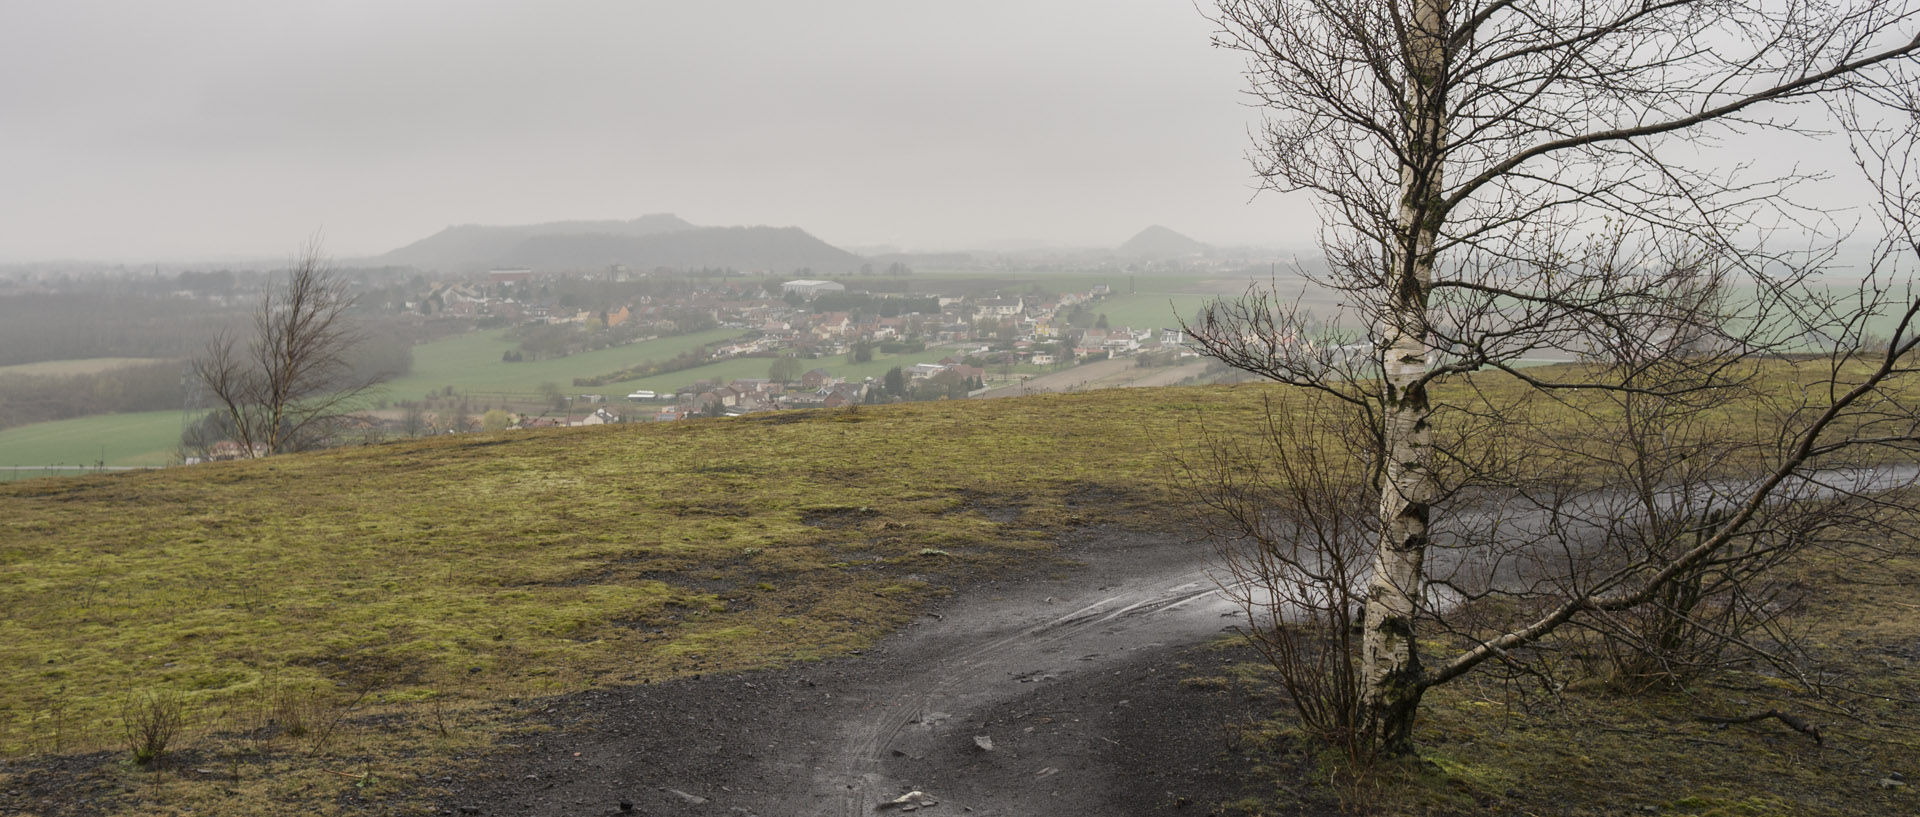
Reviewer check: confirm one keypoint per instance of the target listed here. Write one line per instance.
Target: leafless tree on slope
(288, 386)
(1505, 180)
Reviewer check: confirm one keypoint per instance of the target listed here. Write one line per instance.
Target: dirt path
(976, 658)
(1073, 679)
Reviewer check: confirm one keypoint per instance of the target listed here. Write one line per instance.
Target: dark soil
(1081, 700)
(1129, 740)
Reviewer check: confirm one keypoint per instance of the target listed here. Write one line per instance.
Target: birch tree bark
(1390, 664)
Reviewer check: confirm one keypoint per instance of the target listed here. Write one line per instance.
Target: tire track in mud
(1005, 647)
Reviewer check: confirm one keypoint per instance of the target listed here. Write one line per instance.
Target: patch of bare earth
(1060, 693)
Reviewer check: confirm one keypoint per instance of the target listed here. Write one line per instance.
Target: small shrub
(1704, 619)
(152, 721)
(294, 709)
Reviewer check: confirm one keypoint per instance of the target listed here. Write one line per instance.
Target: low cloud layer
(197, 129)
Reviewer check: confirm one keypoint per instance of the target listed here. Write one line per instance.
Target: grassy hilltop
(460, 570)
(341, 627)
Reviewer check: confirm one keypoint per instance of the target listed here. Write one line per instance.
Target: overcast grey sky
(191, 129)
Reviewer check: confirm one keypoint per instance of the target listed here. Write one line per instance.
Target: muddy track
(1074, 676)
(987, 649)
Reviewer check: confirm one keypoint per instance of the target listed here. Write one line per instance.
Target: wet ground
(1068, 693)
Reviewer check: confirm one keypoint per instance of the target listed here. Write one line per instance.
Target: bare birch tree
(292, 380)
(1501, 180)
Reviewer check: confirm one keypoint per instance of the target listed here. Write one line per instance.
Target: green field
(147, 438)
(471, 363)
(1153, 310)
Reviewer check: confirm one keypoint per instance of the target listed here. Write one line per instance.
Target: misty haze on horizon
(204, 131)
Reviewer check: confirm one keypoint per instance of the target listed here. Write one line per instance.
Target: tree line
(36, 398)
(68, 326)
(161, 385)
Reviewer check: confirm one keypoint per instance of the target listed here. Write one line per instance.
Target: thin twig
(1796, 723)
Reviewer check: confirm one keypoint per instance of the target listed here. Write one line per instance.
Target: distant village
(707, 329)
(812, 324)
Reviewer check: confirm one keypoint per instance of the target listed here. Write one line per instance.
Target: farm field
(471, 362)
(146, 438)
(1149, 310)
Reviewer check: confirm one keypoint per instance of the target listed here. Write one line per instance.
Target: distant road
(1105, 374)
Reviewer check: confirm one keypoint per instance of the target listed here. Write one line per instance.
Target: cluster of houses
(748, 396)
(817, 388)
(600, 416)
(787, 323)
(788, 320)
(467, 299)
(804, 319)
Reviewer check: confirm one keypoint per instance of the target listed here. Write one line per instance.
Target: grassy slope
(523, 562)
(459, 571)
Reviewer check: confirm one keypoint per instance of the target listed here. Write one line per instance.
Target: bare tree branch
(1506, 180)
(293, 380)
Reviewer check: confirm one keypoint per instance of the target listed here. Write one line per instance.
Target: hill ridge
(1162, 241)
(781, 249)
(471, 246)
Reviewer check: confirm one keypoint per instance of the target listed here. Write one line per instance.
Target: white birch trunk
(1390, 661)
